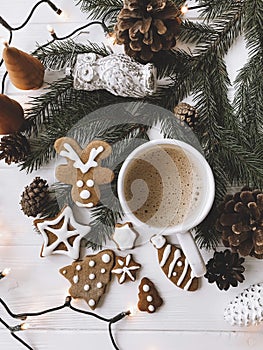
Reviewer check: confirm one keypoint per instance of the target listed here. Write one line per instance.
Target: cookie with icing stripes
(174, 264)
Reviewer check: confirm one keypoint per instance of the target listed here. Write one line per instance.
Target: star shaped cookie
(126, 268)
(124, 236)
(61, 234)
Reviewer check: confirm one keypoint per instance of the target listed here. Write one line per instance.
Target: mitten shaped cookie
(174, 264)
(90, 277)
(83, 170)
(149, 298)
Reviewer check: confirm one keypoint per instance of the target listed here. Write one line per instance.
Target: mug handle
(192, 253)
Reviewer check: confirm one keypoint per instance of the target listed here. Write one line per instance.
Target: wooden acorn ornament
(25, 71)
(11, 115)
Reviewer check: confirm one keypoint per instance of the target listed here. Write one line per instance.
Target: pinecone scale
(14, 148)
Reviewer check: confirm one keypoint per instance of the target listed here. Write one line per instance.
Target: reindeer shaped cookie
(83, 170)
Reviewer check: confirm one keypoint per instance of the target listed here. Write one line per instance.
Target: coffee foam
(162, 186)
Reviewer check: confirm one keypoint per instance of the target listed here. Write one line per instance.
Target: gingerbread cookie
(126, 268)
(124, 236)
(61, 234)
(89, 278)
(149, 298)
(174, 264)
(83, 170)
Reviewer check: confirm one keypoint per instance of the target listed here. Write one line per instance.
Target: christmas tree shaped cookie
(149, 298)
(89, 278)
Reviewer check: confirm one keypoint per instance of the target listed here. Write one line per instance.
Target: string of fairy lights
(184, 9)
(67, 304)
(68, 301)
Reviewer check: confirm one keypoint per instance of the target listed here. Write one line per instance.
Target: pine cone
(186, 114)
(246, 309)
(225, 268)
(14, 148)
(241, 222)
(147, 27)
(34, 197)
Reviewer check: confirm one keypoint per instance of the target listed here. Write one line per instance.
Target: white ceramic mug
(195, 213)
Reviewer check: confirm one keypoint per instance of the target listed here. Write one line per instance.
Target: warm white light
(50, 29)
(6, 271)
(24, 326)
(133, 310)
(184, 9)
(64, 16)
(111, 37)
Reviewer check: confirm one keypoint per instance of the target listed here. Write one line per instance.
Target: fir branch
(194, 32)
(98, 8)
(248, 98)
(213, 9)
(60, 55)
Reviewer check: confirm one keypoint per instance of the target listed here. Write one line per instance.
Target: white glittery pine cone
(247, 308)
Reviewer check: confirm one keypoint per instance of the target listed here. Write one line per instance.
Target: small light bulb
(24, 326)
(64, 16)
(111, 37)
(6, 271)
(184, 9)
(133, 310)
(50, 29)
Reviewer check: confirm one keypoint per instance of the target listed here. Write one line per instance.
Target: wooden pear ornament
(11, 115)
(25, 71)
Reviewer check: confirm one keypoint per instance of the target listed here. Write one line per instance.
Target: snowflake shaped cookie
(124, 236)
(61, 234)
(126, 268)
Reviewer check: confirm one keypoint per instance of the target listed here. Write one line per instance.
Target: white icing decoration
(151, 308)
(71, 154)
(177, 255)
(64, 272)
(92, 276)
(91, 302)
(90, 183)
(120, 262)
(166, 255)
(106, 258)
(124, 236)
(92, 263)
(188, 284)
(180, 263)
(125, 270)
(80, 183)
(102, 271)
(182, 277)
(84, 205)
(86, 287)
(63, 234)
(85, 194)
(99, 285)
(149, 298)
(174, 274)
(146, 288)
(78, 267)
(75, 279)
(158, 241)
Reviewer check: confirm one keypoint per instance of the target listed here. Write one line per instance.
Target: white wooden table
(185, 321)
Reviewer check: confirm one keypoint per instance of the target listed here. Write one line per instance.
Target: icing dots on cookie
(90, 183)
(90, 282)
(106, 258)
(148, 302)
(80, 183)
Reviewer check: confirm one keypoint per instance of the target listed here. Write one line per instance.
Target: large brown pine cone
(147, 27)
(241, 222)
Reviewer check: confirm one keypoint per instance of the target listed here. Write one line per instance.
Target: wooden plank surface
(185, 321)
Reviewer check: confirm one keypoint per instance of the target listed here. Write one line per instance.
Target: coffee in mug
(162, 185)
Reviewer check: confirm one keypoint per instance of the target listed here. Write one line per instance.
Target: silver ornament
(247, 308)
(118, 73)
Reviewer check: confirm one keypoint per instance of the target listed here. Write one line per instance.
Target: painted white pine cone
(247, 308)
